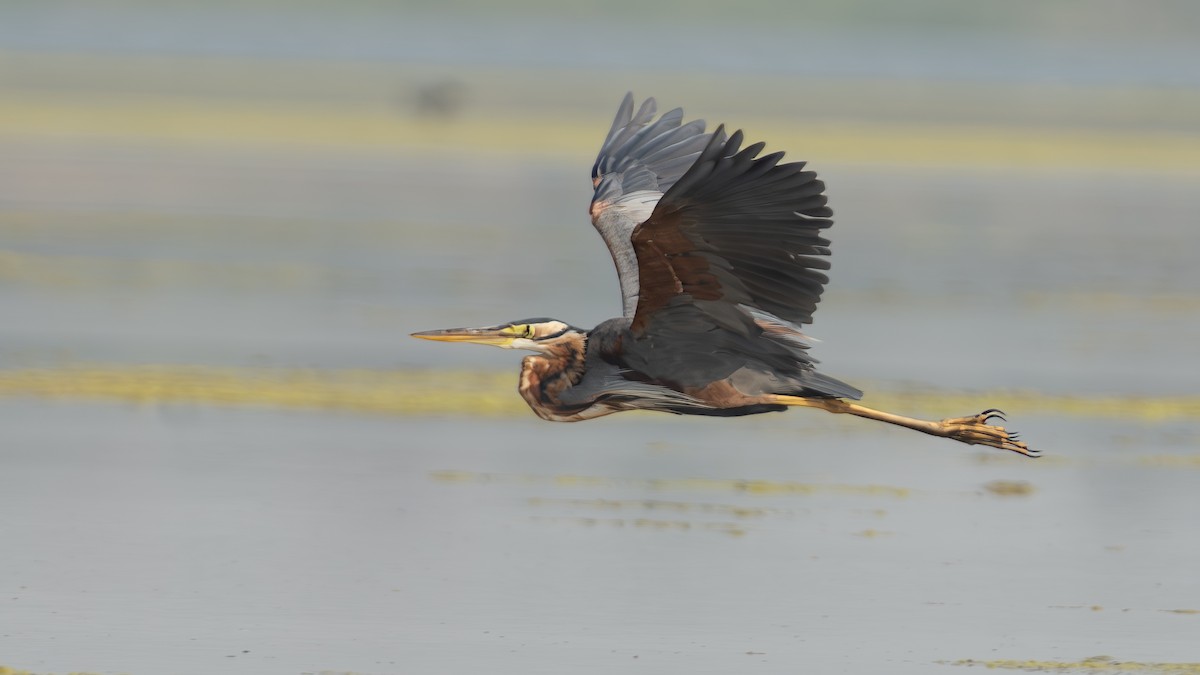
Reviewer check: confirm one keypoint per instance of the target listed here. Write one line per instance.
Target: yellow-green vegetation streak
(416, 392)
(452, 392)
(1093, 664)
(204, 122)
(5, 670)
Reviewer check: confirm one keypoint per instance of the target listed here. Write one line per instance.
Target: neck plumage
(544, 377)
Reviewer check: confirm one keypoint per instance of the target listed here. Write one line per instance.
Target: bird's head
(539, 335)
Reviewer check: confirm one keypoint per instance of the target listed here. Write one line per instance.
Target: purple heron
(721, 258)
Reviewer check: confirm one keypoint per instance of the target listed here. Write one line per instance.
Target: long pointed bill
(496, 336)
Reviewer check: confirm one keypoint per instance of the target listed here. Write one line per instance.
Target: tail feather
(828, 386)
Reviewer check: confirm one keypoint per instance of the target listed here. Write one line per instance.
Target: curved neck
(545, 377)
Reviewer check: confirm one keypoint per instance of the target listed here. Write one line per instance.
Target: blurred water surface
(294, 189)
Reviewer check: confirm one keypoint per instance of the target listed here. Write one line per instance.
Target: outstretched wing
(736, 232)
(640, 160)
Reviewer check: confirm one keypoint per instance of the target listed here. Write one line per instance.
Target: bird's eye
(529, 332)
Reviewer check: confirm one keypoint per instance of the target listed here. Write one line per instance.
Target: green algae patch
(387, 392)
(6, 670)
(1093, 664)
(424, 392)
(205, 122)
(1009, 488)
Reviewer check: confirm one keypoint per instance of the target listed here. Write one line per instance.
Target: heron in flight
(720, 256)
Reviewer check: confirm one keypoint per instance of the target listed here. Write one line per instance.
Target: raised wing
(640, 160)
(737, 231)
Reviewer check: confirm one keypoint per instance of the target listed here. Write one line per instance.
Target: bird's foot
(976, 430)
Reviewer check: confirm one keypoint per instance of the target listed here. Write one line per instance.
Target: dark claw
(990, 415)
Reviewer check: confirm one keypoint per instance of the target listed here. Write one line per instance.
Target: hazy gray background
(278, 193)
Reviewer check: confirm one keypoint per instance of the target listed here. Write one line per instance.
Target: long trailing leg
(973, 430)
